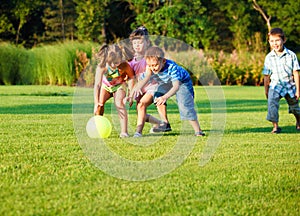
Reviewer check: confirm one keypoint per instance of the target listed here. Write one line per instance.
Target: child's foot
(163, 127)
(276, 130)
(137, 134)
(124, 135)
(298, 126)
(200, 133)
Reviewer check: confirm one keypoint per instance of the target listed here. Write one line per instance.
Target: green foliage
(183, 20)
(52, 64)
(45, 172)
(238, 68)
(68, 63)
(90, 21)
(8, 55)
(284, 14)
(59, 20)
(215, 68)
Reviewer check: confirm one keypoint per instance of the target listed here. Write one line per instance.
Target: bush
(51, 64)
(72, 62)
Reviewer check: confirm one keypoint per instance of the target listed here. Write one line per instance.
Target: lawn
(50, 167)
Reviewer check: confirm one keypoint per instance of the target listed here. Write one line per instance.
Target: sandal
(199, 133)
(277, 131)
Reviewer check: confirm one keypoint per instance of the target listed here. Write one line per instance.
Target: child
(140, 43)
(281, 79)
(111, 75)
(172, 79)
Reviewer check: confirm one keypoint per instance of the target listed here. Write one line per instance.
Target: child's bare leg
(104, 96)
(276, 128)
(162, 110)
(151, 119)
(120, 106)
(145, 101)
(196, 126)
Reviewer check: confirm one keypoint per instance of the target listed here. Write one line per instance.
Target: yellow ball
(98, 127)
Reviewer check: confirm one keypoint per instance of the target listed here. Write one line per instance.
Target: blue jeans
(184, 99)
(273, 105)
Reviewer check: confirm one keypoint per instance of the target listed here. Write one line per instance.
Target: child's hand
(136, 92)
(129, 100)
(160, 101)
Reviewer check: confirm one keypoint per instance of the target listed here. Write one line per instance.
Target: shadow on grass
(38, 109)
(267, 130)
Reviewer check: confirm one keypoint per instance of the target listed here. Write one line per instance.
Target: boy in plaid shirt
(281, 79)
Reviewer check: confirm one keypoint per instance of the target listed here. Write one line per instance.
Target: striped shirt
(173, 72)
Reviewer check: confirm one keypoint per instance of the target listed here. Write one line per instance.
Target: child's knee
(141, 105)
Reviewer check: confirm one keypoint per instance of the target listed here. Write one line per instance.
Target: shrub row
(62, 64)
(215, 68)
(51, 64)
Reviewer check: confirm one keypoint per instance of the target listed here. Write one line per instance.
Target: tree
(262, 12)
(59, 19)
(181, 19)
(90, 22)
(14, 15)
(284, 14)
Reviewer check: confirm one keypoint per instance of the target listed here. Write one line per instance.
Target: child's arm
(266, 84)
(97, 88)
(297, 83)
(129, 97)
(141, 83)
(161, 100)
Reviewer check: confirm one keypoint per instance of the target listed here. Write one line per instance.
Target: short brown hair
(277, 31)
(155, 52)
(139, 33)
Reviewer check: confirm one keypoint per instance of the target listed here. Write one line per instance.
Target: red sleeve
(126, 70)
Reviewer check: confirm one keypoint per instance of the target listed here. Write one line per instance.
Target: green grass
(45, 171)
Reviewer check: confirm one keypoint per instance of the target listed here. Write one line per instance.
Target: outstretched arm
(161, 100)
(141, 83)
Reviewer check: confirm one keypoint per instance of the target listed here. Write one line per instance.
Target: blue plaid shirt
(280, 68)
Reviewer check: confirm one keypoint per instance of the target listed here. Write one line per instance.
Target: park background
(44, 171)
(52, 42)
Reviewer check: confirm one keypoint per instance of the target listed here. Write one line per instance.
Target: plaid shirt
(280, 68)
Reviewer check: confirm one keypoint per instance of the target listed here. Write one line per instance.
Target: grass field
(45, 168)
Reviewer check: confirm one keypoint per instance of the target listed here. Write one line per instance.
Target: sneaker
(163, 127)
(124, 135)
(137, 134)
(199, 133)
(151, 130)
